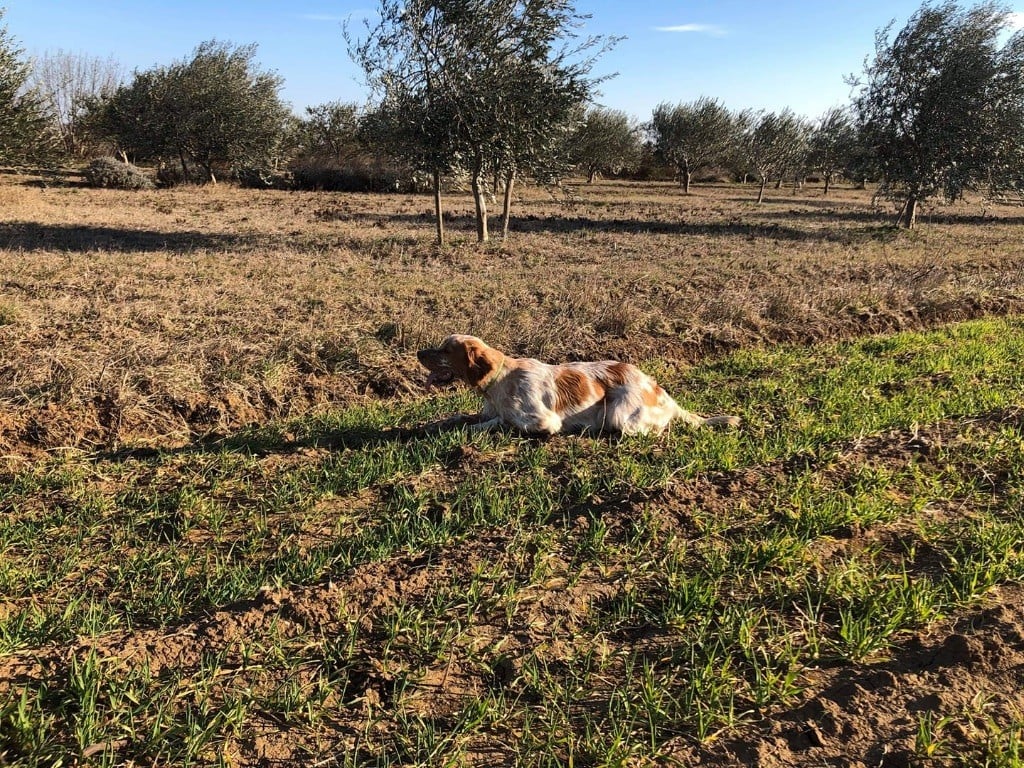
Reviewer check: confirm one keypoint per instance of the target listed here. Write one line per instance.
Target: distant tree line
(488, 92)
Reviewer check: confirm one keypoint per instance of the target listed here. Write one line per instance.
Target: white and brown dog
(538, 398)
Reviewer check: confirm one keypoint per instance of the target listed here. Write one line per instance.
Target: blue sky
(747, 53)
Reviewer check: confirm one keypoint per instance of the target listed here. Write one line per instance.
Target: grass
(339, 584)
(225, 538)
(162, 316)
(991, 744)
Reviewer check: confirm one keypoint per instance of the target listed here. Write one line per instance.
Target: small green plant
(928, 741)
(1004, 747)
(9, 313)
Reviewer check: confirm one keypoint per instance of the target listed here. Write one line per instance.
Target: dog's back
(623, 399)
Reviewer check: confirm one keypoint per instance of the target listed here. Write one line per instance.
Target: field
(232, 534)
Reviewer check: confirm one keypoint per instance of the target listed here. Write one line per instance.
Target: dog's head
(459, 357)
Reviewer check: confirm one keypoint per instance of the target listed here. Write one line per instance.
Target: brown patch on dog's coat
(653, 395)
(617, 374)
(572, 389)
(477, 362)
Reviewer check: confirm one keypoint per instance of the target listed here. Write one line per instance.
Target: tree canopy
(485, 86)
(770, 143)
(212, 110)
(25, 133)
(833, 144)
(693, 135)
(940, 103)
(607, 141)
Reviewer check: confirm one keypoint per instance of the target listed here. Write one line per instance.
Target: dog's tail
(721, 421)
(695, 420)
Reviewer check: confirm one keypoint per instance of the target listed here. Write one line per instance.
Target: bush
(111, 173)
(351, 175)
(261, 178)
(172, 174)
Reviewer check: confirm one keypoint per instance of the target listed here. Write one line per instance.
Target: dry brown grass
(159, 316)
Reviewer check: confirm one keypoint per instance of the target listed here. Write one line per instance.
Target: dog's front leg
(485, 426)
(458, 420)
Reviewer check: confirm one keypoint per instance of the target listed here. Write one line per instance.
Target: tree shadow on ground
(887, 218)
(31, 236)
(531, 224)
(827, 215)
(799, 199)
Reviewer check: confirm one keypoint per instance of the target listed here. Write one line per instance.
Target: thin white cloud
(704, 29)
(1015, 20)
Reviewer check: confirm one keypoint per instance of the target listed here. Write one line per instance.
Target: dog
(537, 398)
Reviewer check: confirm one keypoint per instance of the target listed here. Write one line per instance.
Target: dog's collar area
(493, 377)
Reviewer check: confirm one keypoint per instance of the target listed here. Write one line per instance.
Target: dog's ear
(478, 363)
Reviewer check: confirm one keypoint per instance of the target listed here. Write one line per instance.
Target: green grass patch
(625, 596)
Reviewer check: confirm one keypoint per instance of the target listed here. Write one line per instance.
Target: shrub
(172, 174)
(356, 174)
(261, 178)
(111, 173)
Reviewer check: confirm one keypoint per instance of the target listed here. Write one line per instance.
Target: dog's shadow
(258, 442)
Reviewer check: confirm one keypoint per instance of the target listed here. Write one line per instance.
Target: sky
(746, 53)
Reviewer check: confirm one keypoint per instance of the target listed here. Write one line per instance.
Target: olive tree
(607, 141)
(412, 126)
(330, 130)
(214, 109)
(937, 102)
(405, 58)
(769, 143)
(1006, 154)
(485, 86)
(692, 135)
(833, 142)
(25, 133)
(536, 122)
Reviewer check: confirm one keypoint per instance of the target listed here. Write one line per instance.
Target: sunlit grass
(625, 595)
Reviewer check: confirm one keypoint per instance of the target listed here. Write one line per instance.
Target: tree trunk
(438, 213)
(684, 177)
(908, 213)
(760, 192)
(828, 183)
(506, 212)
(481, 206)
(592, 175)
